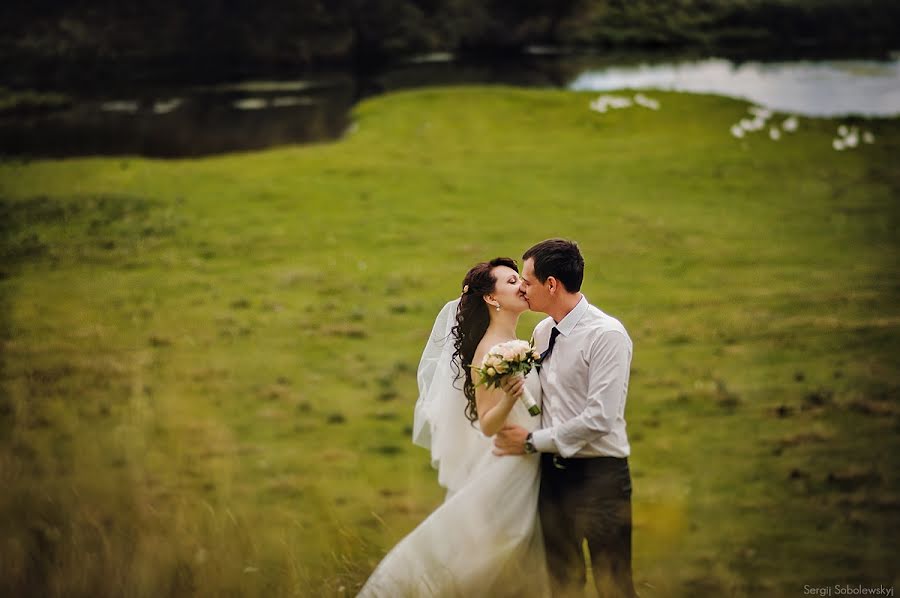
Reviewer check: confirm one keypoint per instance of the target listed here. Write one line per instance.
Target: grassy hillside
(209, 365)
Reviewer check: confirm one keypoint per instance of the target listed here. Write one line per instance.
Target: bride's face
(506, 289)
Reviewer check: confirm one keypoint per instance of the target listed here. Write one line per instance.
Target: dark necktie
(546, 354)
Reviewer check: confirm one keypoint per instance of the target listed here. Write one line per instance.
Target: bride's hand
(513, 385)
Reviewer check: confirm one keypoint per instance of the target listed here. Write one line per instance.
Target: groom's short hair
(560, 259)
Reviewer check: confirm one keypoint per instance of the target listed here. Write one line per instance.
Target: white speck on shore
(642, 100)
(119, 106)
(250, 104)
(760, 112)
(287, 101)
(605, 102)
(166, 106)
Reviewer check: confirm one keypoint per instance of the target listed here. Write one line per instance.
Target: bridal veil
(439, 420)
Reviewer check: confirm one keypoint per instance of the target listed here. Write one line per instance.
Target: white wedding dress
(485, 538)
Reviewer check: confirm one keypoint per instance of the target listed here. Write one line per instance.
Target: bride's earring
(498, 307)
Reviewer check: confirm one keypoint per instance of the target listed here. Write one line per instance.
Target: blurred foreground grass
(209, 365)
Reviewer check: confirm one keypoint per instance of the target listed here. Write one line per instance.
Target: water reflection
(186, 121)
(833, 88)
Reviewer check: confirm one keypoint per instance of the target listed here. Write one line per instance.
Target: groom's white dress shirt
(584, 385)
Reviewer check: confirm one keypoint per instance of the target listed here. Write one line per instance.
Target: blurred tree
(380, 29)
(128, 37)
(513, 25)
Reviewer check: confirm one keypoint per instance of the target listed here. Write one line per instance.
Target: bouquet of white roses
(509, 359)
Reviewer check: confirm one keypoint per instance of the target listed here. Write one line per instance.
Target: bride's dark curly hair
(472, 319)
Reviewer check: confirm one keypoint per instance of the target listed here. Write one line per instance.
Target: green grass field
(209, 365)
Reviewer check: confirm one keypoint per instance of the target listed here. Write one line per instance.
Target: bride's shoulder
(481, 350)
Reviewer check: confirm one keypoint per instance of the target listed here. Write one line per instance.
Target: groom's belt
(590, 461)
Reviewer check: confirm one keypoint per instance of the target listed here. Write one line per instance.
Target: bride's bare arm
(494, 405)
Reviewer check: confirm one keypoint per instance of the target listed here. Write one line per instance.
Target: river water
(806, 88)
(185, 120)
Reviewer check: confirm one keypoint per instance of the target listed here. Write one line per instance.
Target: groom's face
(535, 293)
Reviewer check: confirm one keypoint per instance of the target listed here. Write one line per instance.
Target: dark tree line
(234, 34)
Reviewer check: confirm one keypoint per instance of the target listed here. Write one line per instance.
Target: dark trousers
(587, 499)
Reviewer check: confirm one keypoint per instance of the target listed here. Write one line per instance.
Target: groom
(585, 481)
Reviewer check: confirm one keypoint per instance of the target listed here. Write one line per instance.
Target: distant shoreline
(98, 74)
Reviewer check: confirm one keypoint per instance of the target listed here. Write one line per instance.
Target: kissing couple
(524, 492)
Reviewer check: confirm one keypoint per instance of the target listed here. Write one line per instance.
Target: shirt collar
(567, 324)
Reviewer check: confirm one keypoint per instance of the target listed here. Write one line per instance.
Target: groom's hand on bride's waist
(510, 440)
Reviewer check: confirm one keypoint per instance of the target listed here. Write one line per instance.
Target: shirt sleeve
(608, 370)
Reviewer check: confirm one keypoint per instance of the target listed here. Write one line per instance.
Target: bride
(485, 538)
